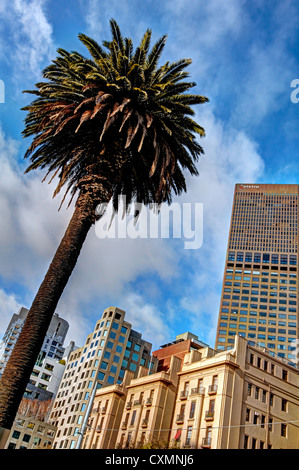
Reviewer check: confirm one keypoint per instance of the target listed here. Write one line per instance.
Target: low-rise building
(30, 429)
(242, 398)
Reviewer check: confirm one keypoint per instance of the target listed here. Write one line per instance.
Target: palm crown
(118, 118)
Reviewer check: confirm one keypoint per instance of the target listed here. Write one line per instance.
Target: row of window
(26, 438)
(253, 443)
(264, 258)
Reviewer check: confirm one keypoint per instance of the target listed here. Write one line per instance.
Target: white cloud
(31, 37)
(148, 319)
(32, 225)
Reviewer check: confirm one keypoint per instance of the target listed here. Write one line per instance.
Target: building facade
(30, 429)
(48, 369)
(139, 411)
(53, 341)
(147, 416)
(259, 298)
(111, 349)
(242, 398)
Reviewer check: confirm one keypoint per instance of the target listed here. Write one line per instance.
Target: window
(283, 432)
(264, 396)
(16, 434)
(188, 437)
(116, 359)
(259, 362)
(284, 375)
(212, 406)
(133, 418)
(135, 357)
(101, 376)
(192, 409)
(283, 404)
(113, 369)
(271, 399)
(104, 365)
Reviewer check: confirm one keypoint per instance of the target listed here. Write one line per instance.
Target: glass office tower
(260, 283)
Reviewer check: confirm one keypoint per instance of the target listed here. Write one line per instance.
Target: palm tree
(113, 124)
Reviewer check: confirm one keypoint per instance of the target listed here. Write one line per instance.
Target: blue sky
(245, 56)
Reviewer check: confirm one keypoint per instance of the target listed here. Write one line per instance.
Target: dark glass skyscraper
(260, 284)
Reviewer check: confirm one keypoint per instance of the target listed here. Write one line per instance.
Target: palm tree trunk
(21, 362)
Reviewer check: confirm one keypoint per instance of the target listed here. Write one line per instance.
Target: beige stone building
(140, 410)
(149, 408)
(30, 429)
(244, 397)
(236, 399)
(105, 416)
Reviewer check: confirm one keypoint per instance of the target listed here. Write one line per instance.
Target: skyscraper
(112, 348)
(260, 283)
(47, 371)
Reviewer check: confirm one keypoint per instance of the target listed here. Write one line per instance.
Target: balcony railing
(180, 418)
(137, 402)
(124, 425)
(129, 405)
(104, 409)
(209, 415)
(206, 442)
(212, 389)
(148, 402)
(144, 423)
(198, 391)
(184, 394)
